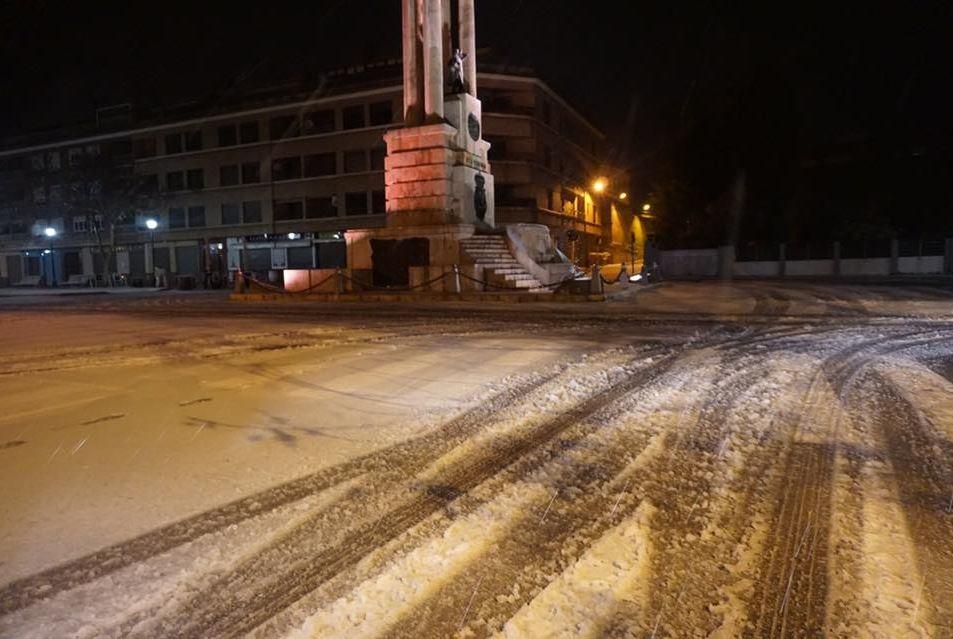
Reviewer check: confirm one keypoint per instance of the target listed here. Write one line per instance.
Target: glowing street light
(623, 195)
(599, 186)
(50, 232)
(646, 207)
(151, 224)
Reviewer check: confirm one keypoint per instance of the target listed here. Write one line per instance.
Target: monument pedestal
(439, 190)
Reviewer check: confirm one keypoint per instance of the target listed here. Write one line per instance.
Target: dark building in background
(271, 180)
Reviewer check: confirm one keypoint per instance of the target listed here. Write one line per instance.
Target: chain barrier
(369, 287)
(617, 279)
(279, 289)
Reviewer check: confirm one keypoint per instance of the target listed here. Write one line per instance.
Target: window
(251, 173)
(251, 212)
(285, 126)
(248, 131)
(173, 143)
(193, 141)
(80, 225)
(353, 117)
(144, 147)
(228, 175)
(319, 207)
(377, 158)
(227, 135)
(355, 161)
(547, 156)
(319, 122)
(355, 203)
(382, 113)
(75, 156)
(37, 162)
(175, 181)
(289, 210)
(320, 164)
(378, 202)
(497, 149)
(231, 214)
(53, 162)
(286, 169)
(149, 184)
(177, 218)
(196, 216)
(547, 112)
(196, 179)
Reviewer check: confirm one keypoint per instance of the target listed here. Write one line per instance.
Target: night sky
(692, 95)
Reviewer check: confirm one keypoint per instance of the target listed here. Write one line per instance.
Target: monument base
(388, 255)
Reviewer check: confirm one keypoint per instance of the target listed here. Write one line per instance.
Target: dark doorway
(392, 260)
(72, 264)
(14, 269)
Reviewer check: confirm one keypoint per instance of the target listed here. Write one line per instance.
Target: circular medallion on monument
(473, 125)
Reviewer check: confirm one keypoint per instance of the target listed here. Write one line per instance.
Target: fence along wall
(896, 257)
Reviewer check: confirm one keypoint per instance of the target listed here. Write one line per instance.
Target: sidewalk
(46, 292)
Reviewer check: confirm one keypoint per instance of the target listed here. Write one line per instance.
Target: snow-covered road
(698, 461)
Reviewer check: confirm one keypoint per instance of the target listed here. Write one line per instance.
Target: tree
(109, 197)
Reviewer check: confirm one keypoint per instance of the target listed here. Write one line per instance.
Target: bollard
(623, 276)
(456, 280)
(340, 280)
(595, 284)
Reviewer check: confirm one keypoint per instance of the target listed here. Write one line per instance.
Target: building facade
(273, 181)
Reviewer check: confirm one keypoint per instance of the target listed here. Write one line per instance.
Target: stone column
(433, 59)
(446, 32)
(413, 83)
(468, 44)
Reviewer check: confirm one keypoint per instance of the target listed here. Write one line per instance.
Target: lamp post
(50, 232)
(152, 225)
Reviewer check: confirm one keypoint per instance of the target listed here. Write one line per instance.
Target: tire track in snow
(794, 579)
(924, 460)
(604, 457)
(225, 612)
(24, 592)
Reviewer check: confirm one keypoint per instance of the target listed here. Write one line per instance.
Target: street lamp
(646, 207)
(623, 195)
(599, 186)
(152, 225)
(50, 232)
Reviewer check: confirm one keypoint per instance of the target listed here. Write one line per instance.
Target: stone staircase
(499, 266)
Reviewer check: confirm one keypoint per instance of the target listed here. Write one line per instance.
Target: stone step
(495, 264)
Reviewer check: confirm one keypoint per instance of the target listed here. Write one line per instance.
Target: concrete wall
(705, 263)
(926, 265)
(809, 267)
(868, 266)
(689, 263)
(757, 269)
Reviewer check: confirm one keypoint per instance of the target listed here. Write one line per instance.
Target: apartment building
(273, 179)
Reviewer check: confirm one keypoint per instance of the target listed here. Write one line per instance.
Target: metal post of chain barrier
(457, 288)
(595, 284)
(239, 285)
(340, 280)
(623, 276)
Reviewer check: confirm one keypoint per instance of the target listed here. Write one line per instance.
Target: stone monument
(438, 184)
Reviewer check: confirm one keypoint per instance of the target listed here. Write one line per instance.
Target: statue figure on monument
(479, 197)
(457, 82)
